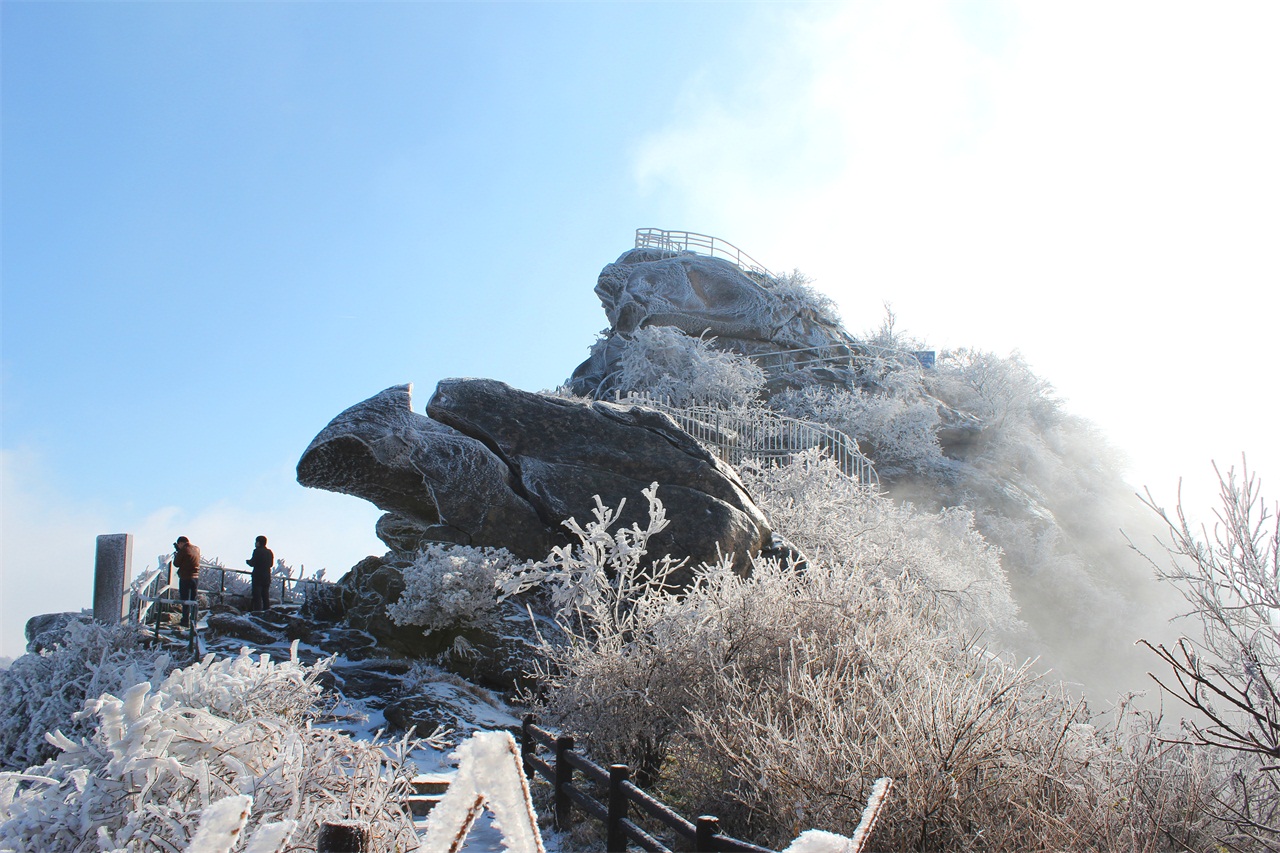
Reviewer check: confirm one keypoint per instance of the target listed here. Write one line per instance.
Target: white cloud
(44, 549)
(47, 554)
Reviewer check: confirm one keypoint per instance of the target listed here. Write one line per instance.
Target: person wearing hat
(186, 558)
(261, 563)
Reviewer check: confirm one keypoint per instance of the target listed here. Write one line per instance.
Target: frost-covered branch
(1230, 675)
(158, 757)
(452, 586)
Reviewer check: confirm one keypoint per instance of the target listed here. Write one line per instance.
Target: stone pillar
(112, 570)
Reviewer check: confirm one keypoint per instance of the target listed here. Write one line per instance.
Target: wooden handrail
(622, 793)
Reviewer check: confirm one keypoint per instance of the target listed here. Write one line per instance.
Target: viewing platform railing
(699, 244)
(156, 592)
(738, 435)
(845, 355)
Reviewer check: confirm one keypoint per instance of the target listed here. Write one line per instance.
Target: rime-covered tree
(1228, 674)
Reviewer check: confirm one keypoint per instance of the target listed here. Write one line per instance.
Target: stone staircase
(427, 790)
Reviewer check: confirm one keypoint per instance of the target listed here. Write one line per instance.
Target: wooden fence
(622, 794)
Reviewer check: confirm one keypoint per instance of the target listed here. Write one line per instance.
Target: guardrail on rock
(736, 435)
(698, 244)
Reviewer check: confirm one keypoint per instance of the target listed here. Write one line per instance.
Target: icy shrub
(668, 364)
(217, 579)
(1230, 674)
(601, 589)
(899, 431)
(159, 757)
(985, 754)
(222, 825)
(41, 692)
(797, 291)
(777, 699)
(836, 520)
(1027, 436)
(592, 578)
(450, 586)
(242, 687)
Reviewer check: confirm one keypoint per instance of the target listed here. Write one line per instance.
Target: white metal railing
(699, 244)
(845, 356)
(736, 435)
(158, 585)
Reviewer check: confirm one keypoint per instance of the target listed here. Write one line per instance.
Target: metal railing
(286, 596)
(158, 586)
(736, 435)
(698, 244)
(843, 355)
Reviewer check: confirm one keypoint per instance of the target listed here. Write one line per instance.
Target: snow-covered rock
(774, 322)
(449, 485)
(495, 466)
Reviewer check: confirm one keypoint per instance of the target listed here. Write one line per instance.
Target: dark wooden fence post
(527, 746)
(615, 836)
(564, 778)
(704, 839)
(155, 605)
(343, 837)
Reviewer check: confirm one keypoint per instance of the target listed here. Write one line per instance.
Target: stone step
(427, 791)
(420, 805)
(426, 784)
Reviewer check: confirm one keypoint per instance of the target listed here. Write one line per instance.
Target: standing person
(186, 557)
(261, 562)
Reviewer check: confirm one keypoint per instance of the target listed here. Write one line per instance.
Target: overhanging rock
(493, 465)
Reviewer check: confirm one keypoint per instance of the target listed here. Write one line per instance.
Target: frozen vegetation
(968, 631)
(160, 755)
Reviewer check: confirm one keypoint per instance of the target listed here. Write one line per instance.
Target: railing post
(564, 778)
(527, 746)
(615, 835)
(343, 837)
(705, 832)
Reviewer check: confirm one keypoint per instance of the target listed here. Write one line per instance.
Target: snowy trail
(485, 835)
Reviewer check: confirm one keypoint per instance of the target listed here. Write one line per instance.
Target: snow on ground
(364, 721)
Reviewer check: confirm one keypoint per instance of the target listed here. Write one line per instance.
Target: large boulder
(565, 453)
(495, 466)
(435, 482)
(49, 629)
(784, 330)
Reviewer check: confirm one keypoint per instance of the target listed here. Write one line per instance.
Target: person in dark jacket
(261, 562)
(186, 559)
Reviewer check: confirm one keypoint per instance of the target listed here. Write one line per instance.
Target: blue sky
(223, 223)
